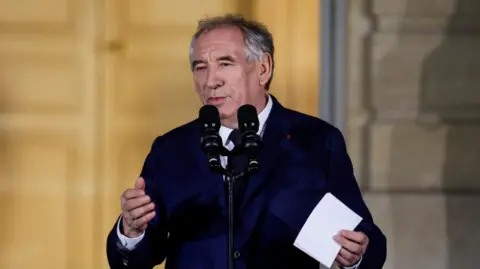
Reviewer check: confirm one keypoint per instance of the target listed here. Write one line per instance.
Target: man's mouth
(216, 100)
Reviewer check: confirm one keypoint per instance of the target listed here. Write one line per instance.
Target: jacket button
(236, 254)
(125, 262)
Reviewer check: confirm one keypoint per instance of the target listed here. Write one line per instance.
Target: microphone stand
(231, 177)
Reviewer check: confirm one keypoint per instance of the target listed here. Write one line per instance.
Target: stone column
(413, 126)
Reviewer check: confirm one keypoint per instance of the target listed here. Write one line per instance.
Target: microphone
(248, 125)
(210, 140)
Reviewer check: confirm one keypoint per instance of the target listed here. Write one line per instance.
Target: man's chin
(227, 115)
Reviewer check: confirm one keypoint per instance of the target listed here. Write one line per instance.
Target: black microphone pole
(230, 177)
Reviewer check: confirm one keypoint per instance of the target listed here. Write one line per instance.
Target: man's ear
(265, 67)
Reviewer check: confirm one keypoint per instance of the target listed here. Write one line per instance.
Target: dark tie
(238, 164)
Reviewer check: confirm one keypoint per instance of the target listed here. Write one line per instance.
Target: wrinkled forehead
(220, 42)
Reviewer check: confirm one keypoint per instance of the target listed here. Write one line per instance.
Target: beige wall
(85, 86)
(413, 126)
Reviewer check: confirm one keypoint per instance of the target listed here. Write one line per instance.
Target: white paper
(326, 220)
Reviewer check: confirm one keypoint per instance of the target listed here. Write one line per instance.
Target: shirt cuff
(355, 266)
(127, 242)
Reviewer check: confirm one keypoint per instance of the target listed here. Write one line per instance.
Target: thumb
(140, 183)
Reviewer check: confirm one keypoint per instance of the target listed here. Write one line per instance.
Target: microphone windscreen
(209, 117)
(247, 118)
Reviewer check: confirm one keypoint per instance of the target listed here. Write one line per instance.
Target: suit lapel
(274, 139)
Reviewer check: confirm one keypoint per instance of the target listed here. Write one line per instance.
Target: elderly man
(177, 209)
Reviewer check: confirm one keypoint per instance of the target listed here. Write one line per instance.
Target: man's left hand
(354, 244)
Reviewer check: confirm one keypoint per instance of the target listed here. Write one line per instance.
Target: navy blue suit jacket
(303, 158)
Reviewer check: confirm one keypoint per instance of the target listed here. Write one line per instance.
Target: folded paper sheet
(326, 220)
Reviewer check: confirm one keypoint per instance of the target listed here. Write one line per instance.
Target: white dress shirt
(224, 132)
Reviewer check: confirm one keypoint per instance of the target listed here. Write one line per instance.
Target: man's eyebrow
(226, 58)
(221, 58)
(197, 62)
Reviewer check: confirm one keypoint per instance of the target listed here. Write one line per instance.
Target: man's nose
(213, 80)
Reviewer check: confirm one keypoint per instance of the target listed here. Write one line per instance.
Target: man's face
(223, 76)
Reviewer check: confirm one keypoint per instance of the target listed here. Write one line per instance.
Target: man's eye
(198, 68)
(225, 64)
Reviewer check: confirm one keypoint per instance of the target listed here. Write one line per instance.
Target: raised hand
(137, 209)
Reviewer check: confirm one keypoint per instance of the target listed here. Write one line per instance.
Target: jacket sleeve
(343, 185)
(152, 249)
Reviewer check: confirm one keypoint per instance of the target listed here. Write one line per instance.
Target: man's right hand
(137, 209)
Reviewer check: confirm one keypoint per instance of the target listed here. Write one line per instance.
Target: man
(178, 208)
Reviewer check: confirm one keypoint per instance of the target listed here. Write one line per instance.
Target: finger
(348, 256)
(136, 202)
(132, 193)
(358, 237)
(351, 246)
(139, 212)
(142, 223)
(140, 183)
(342, 262)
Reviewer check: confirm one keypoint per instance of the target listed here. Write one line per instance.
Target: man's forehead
(230, 32)
(220, 38)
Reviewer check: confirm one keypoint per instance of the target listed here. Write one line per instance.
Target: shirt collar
(262, 118)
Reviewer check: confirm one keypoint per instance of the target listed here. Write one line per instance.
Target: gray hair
(258, 40)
